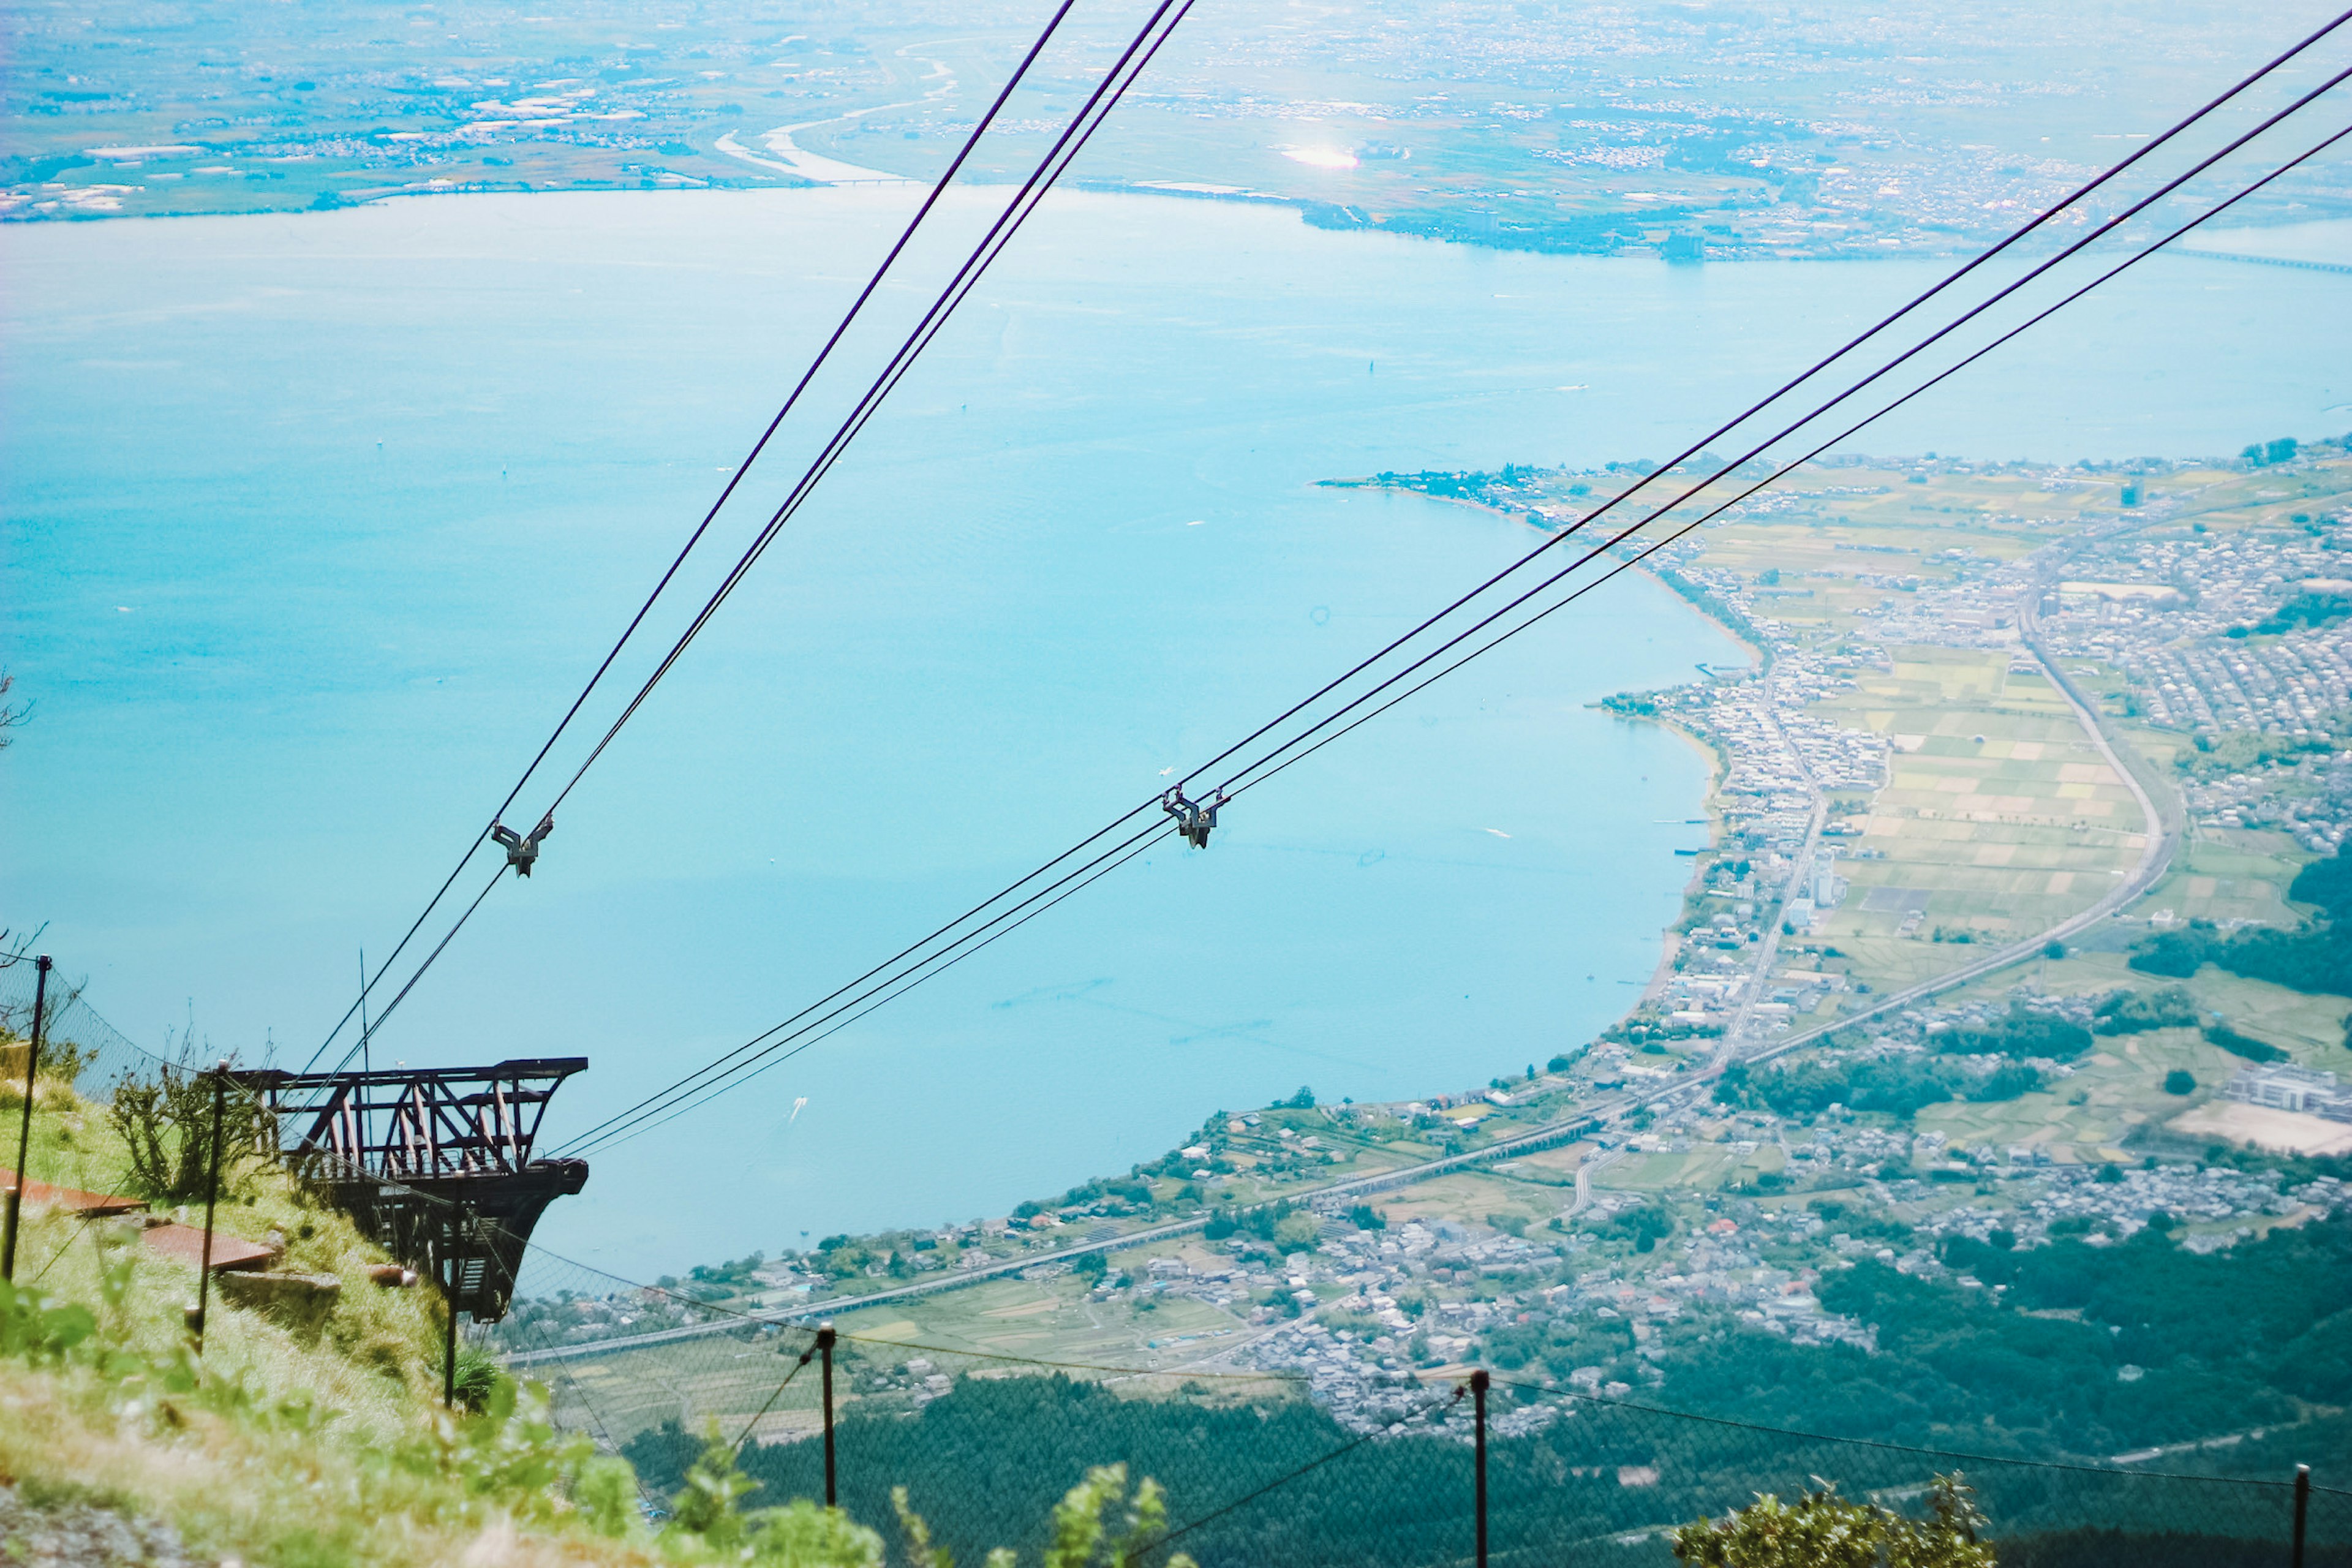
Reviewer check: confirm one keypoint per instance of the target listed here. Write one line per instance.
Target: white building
(2282, 1086)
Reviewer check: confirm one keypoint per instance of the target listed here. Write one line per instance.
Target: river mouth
(316, 522)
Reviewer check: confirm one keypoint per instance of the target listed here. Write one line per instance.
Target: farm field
(2001, 817)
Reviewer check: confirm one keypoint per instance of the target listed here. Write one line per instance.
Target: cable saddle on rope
(1194, 820)
(521, 851)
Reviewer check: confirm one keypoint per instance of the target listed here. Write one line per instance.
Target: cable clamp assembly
(521, 850)
(1194, 820)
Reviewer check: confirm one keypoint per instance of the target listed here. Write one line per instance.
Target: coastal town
(1961, 676)
(1364, 1307)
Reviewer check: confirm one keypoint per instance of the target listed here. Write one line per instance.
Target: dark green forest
(2315, 958)
(1896, 1086)
(2068, 1352)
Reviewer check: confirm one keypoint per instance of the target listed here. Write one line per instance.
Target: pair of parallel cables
(1123, 839)
(1130, 63)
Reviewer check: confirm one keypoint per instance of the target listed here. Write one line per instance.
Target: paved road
(1768, 949)
(1584, 1180)
(1567, 1130)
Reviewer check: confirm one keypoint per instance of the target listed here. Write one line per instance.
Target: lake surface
(313, 525)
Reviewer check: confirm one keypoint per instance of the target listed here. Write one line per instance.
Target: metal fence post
(1478, 1381)
(24, 1119)
(450, 1304)
(825, 1346)
(212, 1198)
(2302, 1510)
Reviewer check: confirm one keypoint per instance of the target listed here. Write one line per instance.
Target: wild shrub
(166, 1126)
(1822, 1529)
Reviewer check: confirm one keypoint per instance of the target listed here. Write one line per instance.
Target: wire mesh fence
(1258, 1472)
(89, 1070)
(1257, 1469)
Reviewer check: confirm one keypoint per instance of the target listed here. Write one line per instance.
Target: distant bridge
(2267, 260)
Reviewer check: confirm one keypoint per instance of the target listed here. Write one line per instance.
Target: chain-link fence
(1260, 1473)
(120, 1108)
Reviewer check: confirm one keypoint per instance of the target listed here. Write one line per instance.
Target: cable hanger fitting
(1194, 820)
(522, 851)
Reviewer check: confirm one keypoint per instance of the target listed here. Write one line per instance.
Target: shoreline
(1621, 653)
(1311, 212)
(1308, 208)
(1670, 944)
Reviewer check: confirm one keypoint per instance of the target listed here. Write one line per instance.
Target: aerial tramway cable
(2027, 228)
(856, 1008)
(1641, 482)
(1015, 212)
(698, 1087)
(2109, 226)
(959, 287)
(939, 188)
(858, 421)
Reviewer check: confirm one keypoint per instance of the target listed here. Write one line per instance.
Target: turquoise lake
(314, 524)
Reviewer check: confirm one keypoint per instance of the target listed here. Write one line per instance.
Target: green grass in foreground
(324, 1444)
(319, 1444)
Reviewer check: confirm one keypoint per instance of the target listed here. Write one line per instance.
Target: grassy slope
(278, 1447)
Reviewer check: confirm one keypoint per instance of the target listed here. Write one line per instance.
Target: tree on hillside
(801, 1534)
(12, 714)
(1082, 1536)
(2328, 883)
(1822, 1529)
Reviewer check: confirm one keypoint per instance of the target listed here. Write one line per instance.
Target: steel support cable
(596, 1418)
(1654, 546)
(969, 278)
(939, 188)
(895, 371)
(733, 1076)
(1820, 410)
(947, 298)
(757, 1321)
(807, 1356)
(673, 1103)
(2024, 230)
(1185, 1371)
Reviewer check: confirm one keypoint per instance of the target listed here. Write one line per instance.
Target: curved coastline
(1670, 944)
